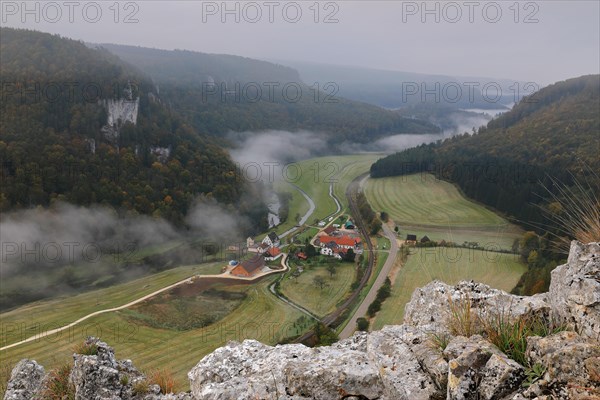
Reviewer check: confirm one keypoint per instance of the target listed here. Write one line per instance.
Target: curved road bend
(141, 299)
(306, 216)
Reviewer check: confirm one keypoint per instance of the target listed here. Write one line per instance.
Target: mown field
(450, 265)
(26, 321)
(259, 316)
(422, 205)
(303, 291)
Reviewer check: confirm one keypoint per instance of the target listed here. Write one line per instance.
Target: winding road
(306, 216)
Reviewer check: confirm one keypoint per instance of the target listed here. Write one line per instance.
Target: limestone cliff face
(119, 111)
(397, 362)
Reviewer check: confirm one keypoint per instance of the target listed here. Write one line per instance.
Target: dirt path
(225, 275)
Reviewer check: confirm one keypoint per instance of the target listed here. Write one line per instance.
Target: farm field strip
(450, 265)
(423, 200)
(303, 291)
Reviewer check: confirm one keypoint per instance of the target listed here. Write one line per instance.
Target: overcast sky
(541, 41)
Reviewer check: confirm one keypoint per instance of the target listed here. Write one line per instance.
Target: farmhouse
(425, 239)
(411, 239)
(344, 242)
(271, 239)
(249, 267)
(272, 253)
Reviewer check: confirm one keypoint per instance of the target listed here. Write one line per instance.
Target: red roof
(340, 241)
(302, 256)
(273, 252)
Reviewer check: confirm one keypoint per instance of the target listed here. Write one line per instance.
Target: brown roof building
(249, 267)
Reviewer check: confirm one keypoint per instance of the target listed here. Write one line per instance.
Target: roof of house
(273, 236)
(330, 229)
(411, 237)
(273, 252)
(301, 255)
(253, 263)
(263, 246)
(425, 239)
(340, 241)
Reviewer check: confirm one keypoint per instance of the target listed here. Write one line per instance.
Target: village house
(344, 242)
(272, 253)
(261, 248)
(411, 239)
(250, 267)
(301, 256)
(271, 239)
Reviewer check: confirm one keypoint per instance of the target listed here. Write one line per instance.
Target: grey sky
(560, 40)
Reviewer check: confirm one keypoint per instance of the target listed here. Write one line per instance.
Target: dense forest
(515, 162)
(220, 93)
(52, 146)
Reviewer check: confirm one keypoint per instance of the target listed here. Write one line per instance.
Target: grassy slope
(423, 205)
(302, 290)
(54, 313)
(261, 316)
(501, 271)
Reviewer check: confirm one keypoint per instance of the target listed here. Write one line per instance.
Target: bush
(374, 307)
(362, 324)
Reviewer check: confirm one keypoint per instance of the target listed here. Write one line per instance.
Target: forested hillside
(219, 93)
(550, 137)
(55, 145)
(553, 133)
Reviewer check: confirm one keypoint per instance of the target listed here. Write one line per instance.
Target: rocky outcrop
(425, 358)
(25, 381)
(575, 290)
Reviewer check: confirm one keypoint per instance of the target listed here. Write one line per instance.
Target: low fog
(68, 234)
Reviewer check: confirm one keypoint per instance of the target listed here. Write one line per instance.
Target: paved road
(306, 216)
(361, 311)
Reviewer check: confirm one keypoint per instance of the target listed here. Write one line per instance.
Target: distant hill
(396, 89)
(552, 133)
(56, 142)
(221, 93)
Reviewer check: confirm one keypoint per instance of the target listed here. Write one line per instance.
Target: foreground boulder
(25, 381)
(425, 358)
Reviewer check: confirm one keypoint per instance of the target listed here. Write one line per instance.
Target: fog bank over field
(67, 234)
(272, 150)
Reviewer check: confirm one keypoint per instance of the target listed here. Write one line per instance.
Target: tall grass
(57, 386)
(164, 379)
(575, 211)
(462, 319)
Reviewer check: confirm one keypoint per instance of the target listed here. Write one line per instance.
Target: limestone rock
(251, 370)
(575, 290)
(25, 380)
(570, 360)
(429, 306)
(478, 370)
(401, 372)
